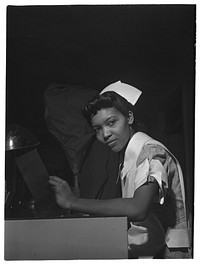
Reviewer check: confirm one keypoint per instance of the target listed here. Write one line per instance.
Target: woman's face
(112, 128)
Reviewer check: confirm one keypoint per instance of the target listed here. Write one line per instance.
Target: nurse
(150, 176)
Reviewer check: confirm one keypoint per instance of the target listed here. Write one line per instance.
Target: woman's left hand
(62, 192)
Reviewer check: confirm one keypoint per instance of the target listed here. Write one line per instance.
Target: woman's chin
(116, 149)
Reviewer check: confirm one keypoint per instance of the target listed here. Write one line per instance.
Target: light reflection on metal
(10, 143)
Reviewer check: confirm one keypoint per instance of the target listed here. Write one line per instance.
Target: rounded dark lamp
(18, 137)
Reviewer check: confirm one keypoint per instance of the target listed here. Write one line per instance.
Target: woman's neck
(122, 152)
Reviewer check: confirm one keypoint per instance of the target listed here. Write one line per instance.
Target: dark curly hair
(108, 100)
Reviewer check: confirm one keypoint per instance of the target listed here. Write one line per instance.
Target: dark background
(151, 47)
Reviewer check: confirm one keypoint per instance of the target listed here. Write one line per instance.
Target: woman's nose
(106, 134)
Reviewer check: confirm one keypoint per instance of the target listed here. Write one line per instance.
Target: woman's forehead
(104, 114)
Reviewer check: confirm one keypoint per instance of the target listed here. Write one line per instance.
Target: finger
(57, 184)
(53, 182)
(52, 188)
(56, 179)
(55, 188)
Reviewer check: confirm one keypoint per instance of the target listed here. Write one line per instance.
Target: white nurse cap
(130, 93)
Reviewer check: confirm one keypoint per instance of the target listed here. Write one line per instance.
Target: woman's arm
(136, 208)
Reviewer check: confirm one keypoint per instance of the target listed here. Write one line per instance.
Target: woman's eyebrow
(111, 117)
(106, 120)
(96, 126)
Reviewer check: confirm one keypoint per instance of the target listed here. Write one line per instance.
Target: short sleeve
(158, 172)
(152, 167)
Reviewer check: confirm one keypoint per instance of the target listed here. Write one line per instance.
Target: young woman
(150, 175)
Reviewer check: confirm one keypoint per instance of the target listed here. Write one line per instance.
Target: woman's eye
(112, 122)
(97, 130)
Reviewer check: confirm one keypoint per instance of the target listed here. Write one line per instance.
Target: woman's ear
(130, 117)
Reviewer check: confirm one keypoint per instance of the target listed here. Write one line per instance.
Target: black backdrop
(149, 46)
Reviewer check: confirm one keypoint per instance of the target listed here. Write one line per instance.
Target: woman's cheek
(99, 138)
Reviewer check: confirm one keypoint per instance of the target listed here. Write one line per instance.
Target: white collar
(132, 151)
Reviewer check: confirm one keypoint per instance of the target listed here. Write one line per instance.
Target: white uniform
(148, 160)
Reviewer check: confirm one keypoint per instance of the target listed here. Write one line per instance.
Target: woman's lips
(111, 143)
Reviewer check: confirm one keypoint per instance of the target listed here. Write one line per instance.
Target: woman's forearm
(111, 207)
(135, 208)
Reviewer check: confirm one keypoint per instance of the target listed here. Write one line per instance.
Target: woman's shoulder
(152, 151)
